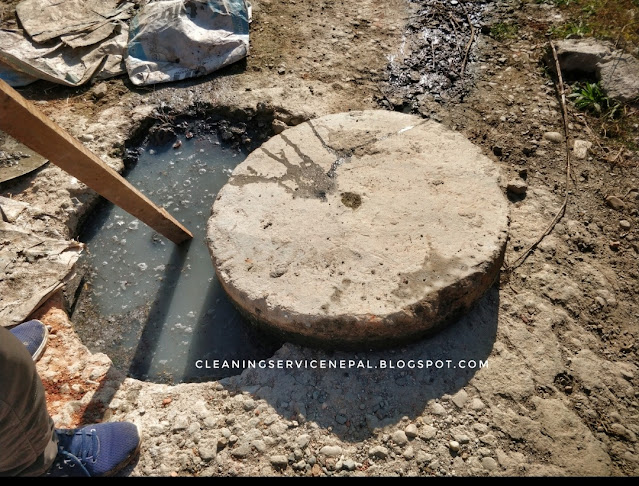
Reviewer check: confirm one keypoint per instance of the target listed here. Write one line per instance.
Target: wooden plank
(23, 121)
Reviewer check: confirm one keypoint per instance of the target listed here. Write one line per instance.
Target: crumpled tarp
(73, 41)
(60, 64)
(32, 267)
(76, 22)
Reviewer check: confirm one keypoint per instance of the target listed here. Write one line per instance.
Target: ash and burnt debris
(436, 56)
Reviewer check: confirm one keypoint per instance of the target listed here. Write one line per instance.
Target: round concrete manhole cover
(359, 230)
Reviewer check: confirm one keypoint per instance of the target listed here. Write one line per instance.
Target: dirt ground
(561, 392)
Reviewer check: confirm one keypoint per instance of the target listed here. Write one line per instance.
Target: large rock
(617, 71)
(619, 77)
(359, 229)
(580, 55)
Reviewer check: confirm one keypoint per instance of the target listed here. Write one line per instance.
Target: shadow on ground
(367, 390)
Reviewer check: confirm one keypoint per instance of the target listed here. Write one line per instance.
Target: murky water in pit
(154, 307)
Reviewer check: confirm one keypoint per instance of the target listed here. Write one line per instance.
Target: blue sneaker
(33, 335)
(95, 450)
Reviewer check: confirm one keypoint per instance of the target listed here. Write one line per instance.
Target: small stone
(477, 404)
(399, 437)
(380, 452)
(316, 470)
(460, 398)
(488, 439)
(207, 453)
(349, 465)
(437, 409)
(484, 451)
(625, 224)
(331, 451)
(580, 148)
(260, 445)
(241, 451)
(181, 423)
(462, 438)
(278, 126)
(453, 445)
(517, 186)
(615, 202)
(554, 137)
(279, 461)
(423, 458)
(428, 432)
(340, 419)
(489, 463)
(411, 431)
(210, 422)
(99, 91)
(302, 441)
(409, 453)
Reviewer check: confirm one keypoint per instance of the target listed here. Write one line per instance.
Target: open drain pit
(155, 308)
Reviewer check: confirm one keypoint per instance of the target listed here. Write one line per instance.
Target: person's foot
(34, 335)
(95, 450)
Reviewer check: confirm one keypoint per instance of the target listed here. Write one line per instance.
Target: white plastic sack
(171, 40)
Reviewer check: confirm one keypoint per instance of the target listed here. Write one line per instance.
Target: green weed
(571, 30)
(502, 31)
(591, 98)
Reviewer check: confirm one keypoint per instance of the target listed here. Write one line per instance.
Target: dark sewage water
(156, 308)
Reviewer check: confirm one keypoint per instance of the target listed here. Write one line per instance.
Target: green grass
(591, 98)
(503, 31)
(613, 20)
(571, 30)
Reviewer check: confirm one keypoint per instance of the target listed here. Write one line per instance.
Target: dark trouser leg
(28, 443)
